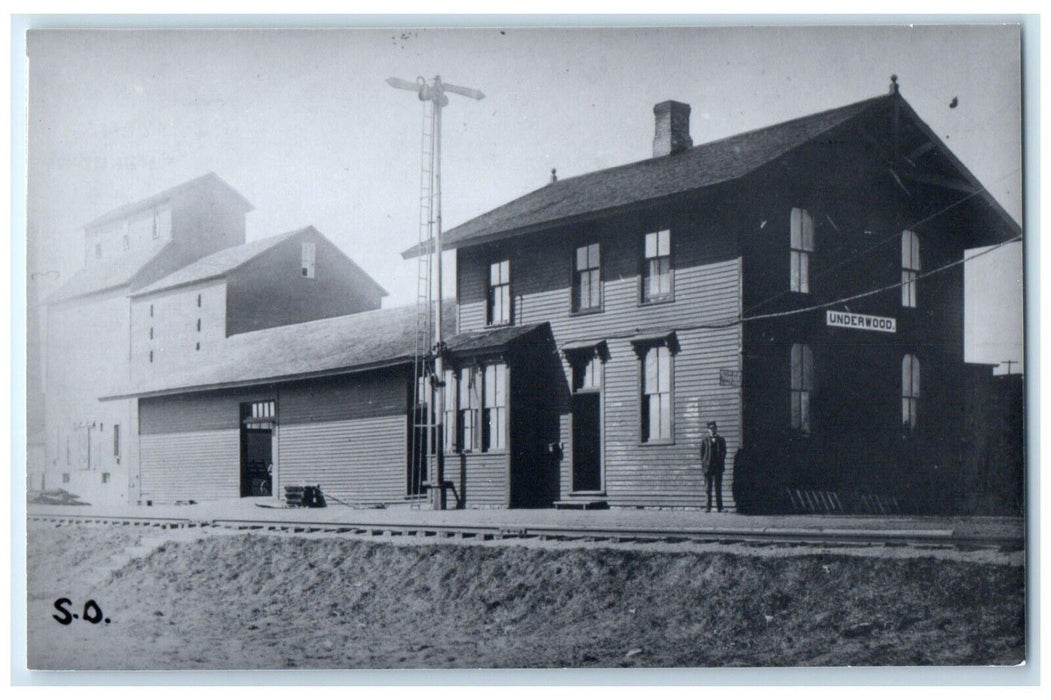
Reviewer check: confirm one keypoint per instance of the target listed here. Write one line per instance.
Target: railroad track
(933, 537)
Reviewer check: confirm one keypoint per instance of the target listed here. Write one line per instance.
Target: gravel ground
(183, 599)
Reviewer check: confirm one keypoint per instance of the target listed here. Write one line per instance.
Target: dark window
(801, 241)
(802, 383)
(151, 332)
(105, 477)
(198, 325)
(198, 301)
(65, 478)
(656, 270)
(910, 267)
(151, 310)
(470, 402)
(198, 345)
(151, 355)
(499, 307)
(657, 394)
(308, 259)
(116, 440)
(910, 391)
(587, 278)
(495, 408)
(449, 431)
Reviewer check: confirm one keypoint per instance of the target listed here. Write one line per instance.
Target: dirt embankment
(252, 601)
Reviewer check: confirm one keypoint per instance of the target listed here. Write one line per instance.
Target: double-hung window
(802, 383)
(910, 391)
(801, 241)
(470, 403)
(910, 267)
(499, 297)
(587, 279)
(656, 413)
(494, 408)
(656, 267)
(449, 413)
(308, 259)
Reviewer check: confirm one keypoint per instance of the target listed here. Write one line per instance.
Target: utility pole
(434, 91)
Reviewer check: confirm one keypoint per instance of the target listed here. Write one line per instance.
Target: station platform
(271, 510)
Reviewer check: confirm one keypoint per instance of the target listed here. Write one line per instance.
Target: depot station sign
(861, 322)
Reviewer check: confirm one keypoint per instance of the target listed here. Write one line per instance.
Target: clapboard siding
(481, 479)
(204, 411)
(200, 465)
(342, 398)
(707, 289)
(358, 461)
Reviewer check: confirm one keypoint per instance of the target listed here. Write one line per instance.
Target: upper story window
(587, 279)
(910, 391)
(98, 250)
(656, 268)
(499, 297)
(116, 440)
(309, 253)
(657, 407)
(162, 223)
(910, 267)
(802, 383)
(801, 241)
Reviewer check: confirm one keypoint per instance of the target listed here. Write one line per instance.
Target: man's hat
(711, 424)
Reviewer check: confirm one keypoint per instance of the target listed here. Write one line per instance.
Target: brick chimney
(672, 134)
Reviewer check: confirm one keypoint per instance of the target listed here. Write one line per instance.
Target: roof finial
(894, 84)
(554, 175)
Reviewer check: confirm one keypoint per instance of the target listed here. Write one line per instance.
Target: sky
(302, 123)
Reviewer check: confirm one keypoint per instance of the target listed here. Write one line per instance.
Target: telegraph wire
(740, 320)
(892, 237)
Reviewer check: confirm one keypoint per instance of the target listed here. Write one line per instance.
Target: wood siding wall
(203, 465)
(707, 291)
(358, 461)
(347, 433)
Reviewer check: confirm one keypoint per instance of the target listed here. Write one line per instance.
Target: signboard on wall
(729, 377)
(861, 322)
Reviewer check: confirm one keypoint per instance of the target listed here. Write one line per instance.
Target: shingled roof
(218, 263)
(654, 178)
(108, 274)
(337, 345)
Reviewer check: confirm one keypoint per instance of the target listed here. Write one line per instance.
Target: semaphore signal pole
(435, 91)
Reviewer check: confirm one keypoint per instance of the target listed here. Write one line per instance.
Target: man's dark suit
(713, 461)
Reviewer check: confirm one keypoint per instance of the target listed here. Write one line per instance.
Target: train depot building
(801, 285)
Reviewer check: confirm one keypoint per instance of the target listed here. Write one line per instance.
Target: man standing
(713, 461)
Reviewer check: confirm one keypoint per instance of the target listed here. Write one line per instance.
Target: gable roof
(224, 261)
(337, 345)
(218, 263)
(206, 180)
(108, 274)
(653, 179)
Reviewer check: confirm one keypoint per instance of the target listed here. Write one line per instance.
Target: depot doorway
(258, 419)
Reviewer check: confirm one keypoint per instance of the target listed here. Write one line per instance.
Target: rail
(929, 537)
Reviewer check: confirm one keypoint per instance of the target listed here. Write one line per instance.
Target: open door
(257, 448)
